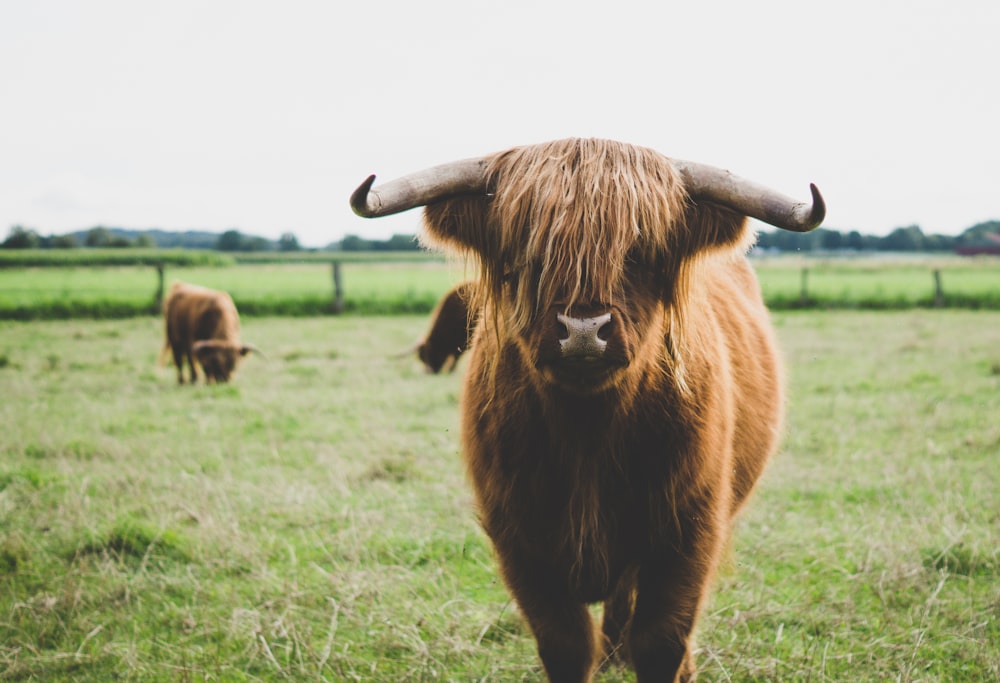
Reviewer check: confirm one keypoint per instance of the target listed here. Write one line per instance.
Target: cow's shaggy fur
(202, 324)
(614, 481)
(450, 330)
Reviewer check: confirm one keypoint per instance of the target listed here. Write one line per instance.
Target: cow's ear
(709, 226)
(460, 224)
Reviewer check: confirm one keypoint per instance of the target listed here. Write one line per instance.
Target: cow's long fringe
(581, 208)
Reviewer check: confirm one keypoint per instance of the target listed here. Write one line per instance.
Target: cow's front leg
(563, 629)
(617, 614)
(191, 367)
(671, 590)
(178, 363)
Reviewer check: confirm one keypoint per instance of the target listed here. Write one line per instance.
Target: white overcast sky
(264, 116)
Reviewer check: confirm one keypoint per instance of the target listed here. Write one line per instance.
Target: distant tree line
(20, 237)
(907, 239)
(394, 243)
(234, 240)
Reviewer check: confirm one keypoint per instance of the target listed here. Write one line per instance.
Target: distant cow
(202, 324)
(450, 331)
(623, 392)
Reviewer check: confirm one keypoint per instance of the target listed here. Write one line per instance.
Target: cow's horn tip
(818, 211)
(359, 198)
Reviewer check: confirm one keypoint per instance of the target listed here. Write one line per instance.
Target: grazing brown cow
(623, 392)
(202, 324)
(450, 331)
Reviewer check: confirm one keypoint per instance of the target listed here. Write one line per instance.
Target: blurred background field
(106, 284)
(259, 287)
(881, 282)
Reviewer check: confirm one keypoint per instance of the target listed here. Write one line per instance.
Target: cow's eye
(636, 257)
(511, 281)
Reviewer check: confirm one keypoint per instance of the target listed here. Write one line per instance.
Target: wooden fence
(938, 288)
(376, 287)
(336, 304)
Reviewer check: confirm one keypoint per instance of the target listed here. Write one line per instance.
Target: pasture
(310, 520)
(291, 288)
(411, 282)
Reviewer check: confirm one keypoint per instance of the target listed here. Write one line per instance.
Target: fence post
(938, 289)
(804, 289)
(338, 289)
(158, 297)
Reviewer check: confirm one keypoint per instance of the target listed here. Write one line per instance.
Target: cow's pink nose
(583, 336)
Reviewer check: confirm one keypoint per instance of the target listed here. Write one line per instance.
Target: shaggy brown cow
(623, 392)
(202, 324)
(450, 331)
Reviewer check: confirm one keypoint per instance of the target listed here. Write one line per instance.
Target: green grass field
(310, 520)
(879, 283)
(411, 282)
(259, 288)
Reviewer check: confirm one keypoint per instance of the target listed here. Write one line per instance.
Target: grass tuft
(131, 538)
(962, 560)
(392, 470)
(14, 553)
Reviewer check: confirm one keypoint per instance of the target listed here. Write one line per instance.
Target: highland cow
(202, 324)
(450, 332)
(624, 390)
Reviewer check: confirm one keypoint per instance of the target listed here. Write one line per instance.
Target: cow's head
(584, 246)
(218, 357)
(436, 358)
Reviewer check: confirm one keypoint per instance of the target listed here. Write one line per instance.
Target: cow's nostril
(562, 332)
(604, 333)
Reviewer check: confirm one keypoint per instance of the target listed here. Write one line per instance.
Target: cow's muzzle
(583, 338)
(587, 355)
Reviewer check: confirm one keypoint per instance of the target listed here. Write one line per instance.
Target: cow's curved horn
(467, 176)
(408, 352)
(246, 348)
(752, 199)
(242, 348)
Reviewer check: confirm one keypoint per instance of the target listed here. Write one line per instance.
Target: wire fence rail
(874, 285)
(294, 289)
(387, 287)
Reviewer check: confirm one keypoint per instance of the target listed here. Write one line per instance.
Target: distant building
(989, 244)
